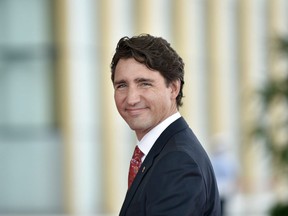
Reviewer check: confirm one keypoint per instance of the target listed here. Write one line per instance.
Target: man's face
(142, 97)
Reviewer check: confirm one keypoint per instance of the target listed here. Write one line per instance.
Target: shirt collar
(146, 143)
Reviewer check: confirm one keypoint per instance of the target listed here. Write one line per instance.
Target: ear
(175, 88)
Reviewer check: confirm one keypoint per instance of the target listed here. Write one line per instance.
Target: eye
(120, 86)
(144, 84)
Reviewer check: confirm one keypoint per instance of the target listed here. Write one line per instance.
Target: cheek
(164, 96)
(118, 100)
(164, 100)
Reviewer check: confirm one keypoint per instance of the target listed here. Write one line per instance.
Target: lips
(135, 111)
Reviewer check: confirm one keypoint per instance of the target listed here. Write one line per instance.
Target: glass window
(30, 152)
(26, 65)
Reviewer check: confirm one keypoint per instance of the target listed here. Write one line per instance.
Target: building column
(78, 96)
(189, 39)
(252, 63)
(62, 102)
(152, 17)
(222, 71)
(117, 140)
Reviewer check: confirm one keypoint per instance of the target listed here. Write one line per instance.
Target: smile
(135, 111)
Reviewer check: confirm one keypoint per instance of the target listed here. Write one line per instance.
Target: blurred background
(64, 149)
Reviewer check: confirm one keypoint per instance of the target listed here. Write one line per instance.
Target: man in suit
(176, 177)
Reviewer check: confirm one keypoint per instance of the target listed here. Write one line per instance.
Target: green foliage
(282, 45)
(279, 210)
(275, 94)
(275, 88)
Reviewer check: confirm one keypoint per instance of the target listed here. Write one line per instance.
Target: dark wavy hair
(156, 53)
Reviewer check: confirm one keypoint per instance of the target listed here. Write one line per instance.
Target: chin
(137, 127)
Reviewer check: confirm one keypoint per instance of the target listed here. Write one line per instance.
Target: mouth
(135, 111)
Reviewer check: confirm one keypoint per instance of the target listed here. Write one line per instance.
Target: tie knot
(138, 154)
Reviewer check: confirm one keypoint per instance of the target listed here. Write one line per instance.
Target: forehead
(131, 69)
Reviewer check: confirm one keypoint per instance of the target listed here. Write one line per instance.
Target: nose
(133, 96)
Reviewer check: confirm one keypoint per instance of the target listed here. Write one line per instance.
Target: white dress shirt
(146, 143)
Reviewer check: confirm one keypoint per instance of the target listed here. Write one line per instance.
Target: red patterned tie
(135, 164)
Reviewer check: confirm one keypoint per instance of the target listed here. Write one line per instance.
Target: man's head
(156, 54)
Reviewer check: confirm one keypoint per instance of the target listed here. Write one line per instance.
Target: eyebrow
(119, 82)
(137, 80)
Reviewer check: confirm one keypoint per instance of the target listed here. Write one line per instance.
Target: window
(26, 66)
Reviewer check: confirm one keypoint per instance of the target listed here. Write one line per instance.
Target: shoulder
(184, 150)
(185, 141)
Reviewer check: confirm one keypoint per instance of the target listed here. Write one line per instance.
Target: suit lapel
(172, 129)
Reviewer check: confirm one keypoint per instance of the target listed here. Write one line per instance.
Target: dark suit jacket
(176, 178)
